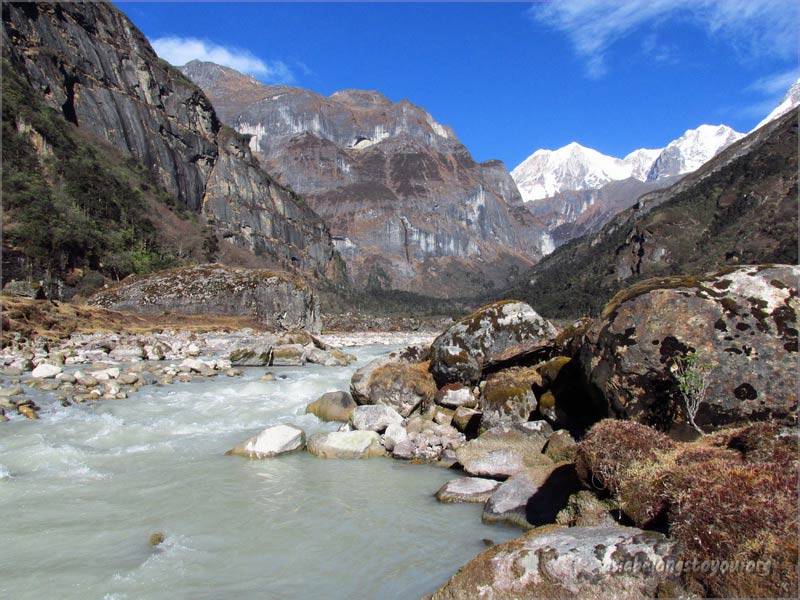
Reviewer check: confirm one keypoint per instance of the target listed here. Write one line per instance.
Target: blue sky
(512, 77)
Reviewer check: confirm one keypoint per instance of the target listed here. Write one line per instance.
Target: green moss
(504, 395)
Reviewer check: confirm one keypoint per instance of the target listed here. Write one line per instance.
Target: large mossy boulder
(740, 325)
(493, 334)
(281, 301)
(571, 562)
(332, 406)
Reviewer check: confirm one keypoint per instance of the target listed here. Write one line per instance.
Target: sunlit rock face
(408, 206)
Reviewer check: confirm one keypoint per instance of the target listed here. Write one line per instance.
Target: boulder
(502, 452)
(740, 324)
(467, 489)
(467, 420)
(495, 332)
(273, 441)
(533, 496)
(584, 509)
(508, 397)
(403, 386)
(345, 444)
(618, 562)
(251, 357)
(561, 446)
(280, 301)
(195, 365)
(332, 406)
(374, 417)
(455, 395)
(395, 434)
(288, 355)
(328, 358)
(24, 289)
(46, 371)
(127, 353)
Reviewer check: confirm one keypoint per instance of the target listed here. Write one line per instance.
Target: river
(83, 488)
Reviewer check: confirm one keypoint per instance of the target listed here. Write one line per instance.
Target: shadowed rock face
(92, 64)
(408, 206)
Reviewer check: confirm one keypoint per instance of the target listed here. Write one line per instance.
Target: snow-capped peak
(692, 150)
(788, 102)
(641, 160)
(572, 167)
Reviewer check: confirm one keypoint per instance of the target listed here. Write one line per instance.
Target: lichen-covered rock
(584, 509)
(532, 497)
(402, 386)
(273, 441)
(395, 434)
(495, 332)
(24, 289)
(742, 323)
(288, 355)
(608, 562)
(374, 417)
(332, 406)
(467, 489)
(251, 357)
(561, 446)
(346, 444)
(502, 452)
(508, 397)
(455, 395)
(467, 420)
(281, 301)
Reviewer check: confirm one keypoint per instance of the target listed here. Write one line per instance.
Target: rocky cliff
(88, 61)
(739, 208)
(278, 300)
(408, 206)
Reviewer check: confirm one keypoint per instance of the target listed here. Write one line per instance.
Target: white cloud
(752, 27)
(775, 84)
(179, 51)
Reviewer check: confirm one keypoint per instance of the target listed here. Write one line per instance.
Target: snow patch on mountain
(788, 102)
(692, 150)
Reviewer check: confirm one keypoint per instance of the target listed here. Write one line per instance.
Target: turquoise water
(82, 489)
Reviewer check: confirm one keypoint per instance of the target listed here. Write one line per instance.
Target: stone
(251, 357)
(127, 353)
(157, 538)
(66, 377)
(332, 406)
(233, 372)
(571, 562)
(584, 509)
(508, 397)
(328, 358)
(10, 391)
(533, 496)
(268, 377)
(27, 411)
(561, 446)
(404, 449)
(456, 395)
(46, 371)
(467, 489)
(128, 378)
(441, 415)
(740, 323)
(154, 352)
(467, 420)
(395, 434)
(346, 444)
(273, 441)
(374, 417)
(288, 355)
(402, 386)
(24, 289)
(495, 332)
(198, 366)
(502, 452)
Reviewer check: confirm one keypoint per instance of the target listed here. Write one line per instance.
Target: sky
(511, 78)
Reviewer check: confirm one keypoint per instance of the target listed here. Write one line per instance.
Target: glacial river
(82, 490)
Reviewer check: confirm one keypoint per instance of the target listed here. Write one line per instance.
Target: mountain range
(117, 163)
(408, 206)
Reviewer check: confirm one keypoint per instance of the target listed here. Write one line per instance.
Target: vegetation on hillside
(74, 209)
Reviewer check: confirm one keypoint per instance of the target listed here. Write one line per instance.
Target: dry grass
(56, 320)
(731, 496)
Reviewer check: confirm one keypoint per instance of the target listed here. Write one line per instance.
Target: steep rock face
(91, 63)
(742, 326)
(408, 206)
(739, 208)
(279, 300)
